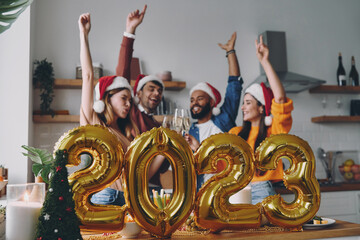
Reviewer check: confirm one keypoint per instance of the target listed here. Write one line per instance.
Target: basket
(97, 68)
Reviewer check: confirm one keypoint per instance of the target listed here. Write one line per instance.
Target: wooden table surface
(339, 229)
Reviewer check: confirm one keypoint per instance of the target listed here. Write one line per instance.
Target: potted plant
(43, 162)
(10, 11)
(44, 79)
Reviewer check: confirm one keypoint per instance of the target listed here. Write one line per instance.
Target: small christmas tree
(58, 220)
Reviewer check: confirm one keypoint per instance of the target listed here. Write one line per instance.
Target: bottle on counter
(341, 76)
(354, 75)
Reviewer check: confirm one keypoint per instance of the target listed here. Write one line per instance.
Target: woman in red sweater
(259, 102)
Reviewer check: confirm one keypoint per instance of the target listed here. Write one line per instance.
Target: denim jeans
(110, 196)
(261, 190)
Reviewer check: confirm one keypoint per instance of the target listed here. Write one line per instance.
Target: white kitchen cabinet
(341, 205)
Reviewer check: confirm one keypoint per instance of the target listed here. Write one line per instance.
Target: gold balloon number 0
(107, 155)
(213, 210)
(141, 152)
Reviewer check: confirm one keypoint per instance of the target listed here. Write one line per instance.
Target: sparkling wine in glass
(178, 120)
(167, 122)
(186, 121)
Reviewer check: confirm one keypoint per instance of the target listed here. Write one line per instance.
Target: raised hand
(134, 19)
(230, 44)
(262, 51)
(85, 23)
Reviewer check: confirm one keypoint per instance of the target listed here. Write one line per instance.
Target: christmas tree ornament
(143, 149)
(106, 167)
(299, 178)
(212, 208)
(46, 217)
(53, 211)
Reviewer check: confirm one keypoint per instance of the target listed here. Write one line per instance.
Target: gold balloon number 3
(213, 210)
(299, 177)
(107, 155)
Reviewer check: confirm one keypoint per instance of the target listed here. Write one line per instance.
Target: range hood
(292, 82)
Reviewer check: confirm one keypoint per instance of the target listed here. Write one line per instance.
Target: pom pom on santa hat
(212, 92)
(264, 95)
(106, 84)
(141, 80)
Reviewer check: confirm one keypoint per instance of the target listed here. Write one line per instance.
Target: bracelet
(230, 52)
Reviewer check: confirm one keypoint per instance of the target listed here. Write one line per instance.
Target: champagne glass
(178, 120)
(324, 103)
(186, 121)
(167, 122)
(182, 120)
(339, 103)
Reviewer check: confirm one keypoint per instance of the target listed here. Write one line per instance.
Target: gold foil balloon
(212, 208)
(299, 178)
(163, 141)
(107, 162)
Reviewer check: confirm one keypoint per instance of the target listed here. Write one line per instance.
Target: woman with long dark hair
(266, 111)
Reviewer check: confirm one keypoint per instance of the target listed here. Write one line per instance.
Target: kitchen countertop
(339, 229)
(325, 188)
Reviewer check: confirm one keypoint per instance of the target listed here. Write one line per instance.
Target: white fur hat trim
(257, 92)
(268, 120)
(147, 79)
(203, 87)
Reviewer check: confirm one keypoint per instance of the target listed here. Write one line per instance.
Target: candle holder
(24, 202)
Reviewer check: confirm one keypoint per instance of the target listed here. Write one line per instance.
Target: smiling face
(150, 96)
(251, 110)
(121, 103)
(201, 104)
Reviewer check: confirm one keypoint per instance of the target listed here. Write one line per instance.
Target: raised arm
(262, 52)
(234, 69)
(133, 20)
(86, 67)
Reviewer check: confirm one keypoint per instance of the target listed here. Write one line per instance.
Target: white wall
(182, 36)
(14, 97)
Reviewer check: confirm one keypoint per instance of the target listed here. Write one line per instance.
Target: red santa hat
(142, 79)
(212, 92)
(264, 95)
(106, 84)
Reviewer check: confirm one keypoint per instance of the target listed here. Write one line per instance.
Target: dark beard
(204, 111)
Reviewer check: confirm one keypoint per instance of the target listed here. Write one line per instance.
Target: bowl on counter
(350, 171)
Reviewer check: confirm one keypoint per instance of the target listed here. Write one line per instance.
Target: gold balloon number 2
(212, 208)
(106, 167)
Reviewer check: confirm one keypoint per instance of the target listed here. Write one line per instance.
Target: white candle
(21, 219)
(243, 196)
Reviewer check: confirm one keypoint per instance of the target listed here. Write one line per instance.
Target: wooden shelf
(71, 118)
(76, 84)
(335, 89)
(335, 119)
(169, 85)
(56, 119)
